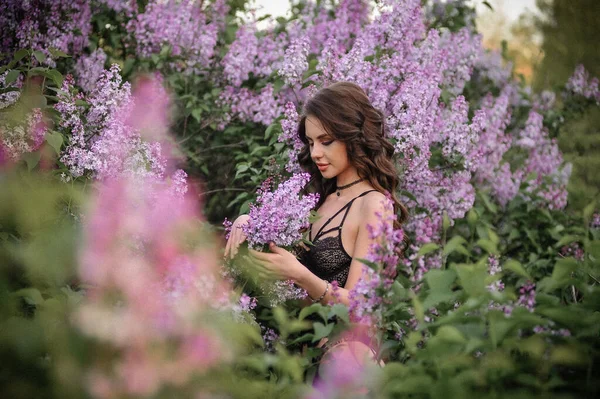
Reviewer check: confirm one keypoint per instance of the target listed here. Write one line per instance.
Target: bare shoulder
(372, 204)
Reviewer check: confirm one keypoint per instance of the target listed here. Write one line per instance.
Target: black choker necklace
(338, 189)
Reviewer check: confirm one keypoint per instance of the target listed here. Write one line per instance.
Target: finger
(227, 245)
(263, 256)
(275, 249)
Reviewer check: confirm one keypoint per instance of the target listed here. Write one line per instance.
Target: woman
(350, 162)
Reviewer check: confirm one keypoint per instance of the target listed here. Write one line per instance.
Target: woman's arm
(283, 264)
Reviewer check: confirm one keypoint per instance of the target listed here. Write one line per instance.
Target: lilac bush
(102, 143)
(45, 25)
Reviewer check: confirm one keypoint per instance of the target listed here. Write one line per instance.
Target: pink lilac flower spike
(595, 222)
(295, 61)
(581, 84)
(289, 136)
(88, 69)
(148, 289)
(279, 216)
(20, 139)
(527, 296)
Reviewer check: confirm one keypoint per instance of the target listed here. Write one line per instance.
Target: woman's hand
(236, 237)
(278, 263)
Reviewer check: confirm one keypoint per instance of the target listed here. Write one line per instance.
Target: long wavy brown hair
(347, 115)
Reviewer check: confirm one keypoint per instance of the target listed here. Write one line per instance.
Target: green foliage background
(570, 33)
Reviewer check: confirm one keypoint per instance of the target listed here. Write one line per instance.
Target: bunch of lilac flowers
(190, 30)
(89, 69)
(102, 141)
(281, 215)
(289, 136)
(581, 84)
(22, 138)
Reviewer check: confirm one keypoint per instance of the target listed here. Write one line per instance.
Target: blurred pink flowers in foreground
(153, 276)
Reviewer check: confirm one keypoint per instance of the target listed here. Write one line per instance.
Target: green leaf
(455, 244)
(445, 221)
(588, 211)
(32, 159)
(55, 140)
(428, 248)
(269, 130)
(312, 309)
(341, 311)
(568, 239)
(472, 278)
(561, 274)
(41, 57)
(488, 203)
(500, 326)
(488, 245)
(516, 267)
(197, 114)
(279, 83)
(450, 334)
(56, 53)
(20, 54)
(11, 76)
(322, 330)
(31, 295)
(439, 282)
(472, 217)
(56, 77)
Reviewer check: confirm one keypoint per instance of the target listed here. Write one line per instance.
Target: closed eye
(326, 143)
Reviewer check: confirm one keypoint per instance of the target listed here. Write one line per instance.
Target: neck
(347, 178)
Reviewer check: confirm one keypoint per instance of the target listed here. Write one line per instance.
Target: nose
(316, 151)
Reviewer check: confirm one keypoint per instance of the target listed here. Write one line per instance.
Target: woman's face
(327, 153)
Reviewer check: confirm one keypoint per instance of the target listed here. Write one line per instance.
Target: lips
(322, 166)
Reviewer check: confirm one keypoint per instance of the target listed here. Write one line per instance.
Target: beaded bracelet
(325, 293)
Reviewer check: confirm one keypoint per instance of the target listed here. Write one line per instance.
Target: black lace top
(327, 257)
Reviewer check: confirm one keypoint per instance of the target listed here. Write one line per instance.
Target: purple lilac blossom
(9, 98)
(45, 24)
(105, 145)
(129, 7)
(20, 139)
(282, 291)
(270, 338)
(494, 269)
(289, 136)
(88, 69)
(263, 107)
(561, 332)
(527, 296)
(185, 26)
(295, 61)
(595, 222)
(581, 84)
(279, 216)
(573, 250)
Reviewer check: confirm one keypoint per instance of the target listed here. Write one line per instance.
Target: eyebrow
(319, 137)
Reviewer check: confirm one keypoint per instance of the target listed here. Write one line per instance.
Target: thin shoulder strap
(350, 204)
(345, 207)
